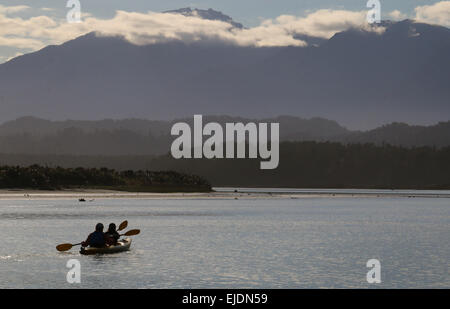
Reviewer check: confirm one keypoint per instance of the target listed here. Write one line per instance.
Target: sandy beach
(111, 194)
(222, 193)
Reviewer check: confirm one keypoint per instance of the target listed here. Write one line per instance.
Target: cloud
(21, 43)
(14, 56)
(12, 9)
(151, 27)
(397, 15)
(324, 23)
(24, 33)
(438, 13)
(147, 28)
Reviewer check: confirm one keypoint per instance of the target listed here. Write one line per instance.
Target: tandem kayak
(122, 245)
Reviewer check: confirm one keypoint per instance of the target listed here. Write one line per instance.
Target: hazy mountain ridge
(402, 134)
(29, 135)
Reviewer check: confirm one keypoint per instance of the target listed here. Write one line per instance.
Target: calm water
(381, 192)
(221, 243)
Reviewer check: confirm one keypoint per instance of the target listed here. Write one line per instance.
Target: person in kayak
(96, 239)
(112, 236)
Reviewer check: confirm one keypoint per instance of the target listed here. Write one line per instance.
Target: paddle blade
(64, 247)
(123, 225)
(132, 232)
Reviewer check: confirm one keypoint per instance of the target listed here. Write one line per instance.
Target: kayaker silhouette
(96, 239)
(112, 236)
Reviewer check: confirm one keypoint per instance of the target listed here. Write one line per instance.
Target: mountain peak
(209, 14)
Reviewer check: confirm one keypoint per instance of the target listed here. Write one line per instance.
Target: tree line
(302, 165)
(55, 178)
(328, 165)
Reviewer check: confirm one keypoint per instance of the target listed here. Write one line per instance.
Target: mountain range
(359, 78)
(34, 136)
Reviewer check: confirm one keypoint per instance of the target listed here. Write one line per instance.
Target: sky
(29, 25)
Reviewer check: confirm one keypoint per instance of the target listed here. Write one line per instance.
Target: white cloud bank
(397, 15)
(29, 34)
(155, 27)
(151, 27)
(438, 13)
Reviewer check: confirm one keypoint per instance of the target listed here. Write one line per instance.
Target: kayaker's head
(112, 227)
(99, 227)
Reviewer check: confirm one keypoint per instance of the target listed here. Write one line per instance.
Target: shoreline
(223, 193)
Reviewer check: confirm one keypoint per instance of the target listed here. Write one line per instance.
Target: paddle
(65, 247)
(123, 225)
(131, 233)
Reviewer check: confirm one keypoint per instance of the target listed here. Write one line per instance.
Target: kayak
(122, 245)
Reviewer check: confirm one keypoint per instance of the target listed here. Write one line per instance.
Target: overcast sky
(28, 25)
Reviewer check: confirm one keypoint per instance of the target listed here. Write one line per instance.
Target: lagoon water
(307, 242)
